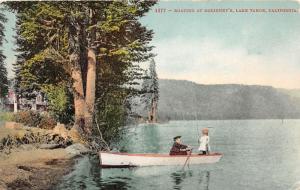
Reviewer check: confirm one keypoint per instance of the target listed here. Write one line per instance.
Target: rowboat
(120, 160)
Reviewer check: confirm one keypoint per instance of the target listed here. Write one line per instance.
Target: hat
(205, 130)
(177, 137)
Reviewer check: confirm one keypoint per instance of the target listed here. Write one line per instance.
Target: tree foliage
(150, 91)
(3, 71)
(126, 45)
(59, 102)
(50, 33)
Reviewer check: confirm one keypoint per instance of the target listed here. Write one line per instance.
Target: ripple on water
(258, 154)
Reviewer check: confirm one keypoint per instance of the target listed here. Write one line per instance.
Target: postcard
(149, 95)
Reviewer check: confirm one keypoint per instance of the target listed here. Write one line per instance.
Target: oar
(188, 157)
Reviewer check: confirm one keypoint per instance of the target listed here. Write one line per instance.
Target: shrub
(60, 104)
(28, 118)
(47, 122)
(35, 119)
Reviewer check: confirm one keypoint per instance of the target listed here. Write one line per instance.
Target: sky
(218, 48)
(221, 48)
(9, 43)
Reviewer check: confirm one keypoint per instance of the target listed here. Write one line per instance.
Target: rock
(13, 125)
(77, 149)
(49, 146)
(25, 168)
(61, 130)
(75, 134)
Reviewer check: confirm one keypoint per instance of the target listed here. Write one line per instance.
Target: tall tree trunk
(152, 115)
(155, 111)
(78, 92)
(149, 116)
(90, 92)
(90, 89)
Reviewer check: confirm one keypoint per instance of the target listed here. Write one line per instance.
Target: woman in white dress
(204, 142)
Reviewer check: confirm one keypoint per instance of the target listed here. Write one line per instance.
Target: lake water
(258, 155)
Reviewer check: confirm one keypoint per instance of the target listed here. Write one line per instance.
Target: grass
(6, 116)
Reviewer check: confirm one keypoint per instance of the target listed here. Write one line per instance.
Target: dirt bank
(29, 168)
(26, 166)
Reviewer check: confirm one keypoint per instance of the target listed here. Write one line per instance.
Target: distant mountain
(294, 93)
(181, 99)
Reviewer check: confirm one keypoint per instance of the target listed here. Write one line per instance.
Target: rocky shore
(33, 169)
(35, 166)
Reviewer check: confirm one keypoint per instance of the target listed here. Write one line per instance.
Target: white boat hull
(109, 159)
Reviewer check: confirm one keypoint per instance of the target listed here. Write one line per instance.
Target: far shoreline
(191, 120)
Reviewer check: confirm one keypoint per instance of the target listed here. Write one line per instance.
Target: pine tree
(92, 46)
(3, 71)
(151, 92)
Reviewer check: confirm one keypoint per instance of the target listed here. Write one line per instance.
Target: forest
(186, 100)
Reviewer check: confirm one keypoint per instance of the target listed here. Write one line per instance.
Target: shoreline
(29, 168)
(36, 164)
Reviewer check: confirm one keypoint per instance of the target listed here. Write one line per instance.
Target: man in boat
(178, 148)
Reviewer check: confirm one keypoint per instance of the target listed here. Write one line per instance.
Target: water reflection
(112, 179)
(148, 138)
(254, 146)
(88, 175)
(179, 177)
(204, 179)
(117, 183)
